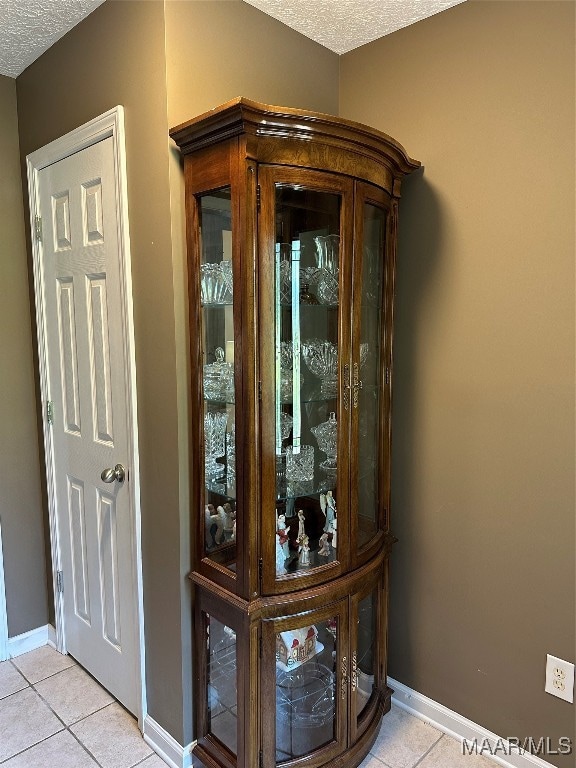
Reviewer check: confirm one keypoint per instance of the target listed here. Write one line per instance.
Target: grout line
(428, 751)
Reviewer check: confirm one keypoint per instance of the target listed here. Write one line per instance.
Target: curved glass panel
(307, 269)
(306, 689)
(222, 688)
(216, 298)
(364, 657)
(369, 372)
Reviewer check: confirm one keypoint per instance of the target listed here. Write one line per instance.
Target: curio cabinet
(291, 236)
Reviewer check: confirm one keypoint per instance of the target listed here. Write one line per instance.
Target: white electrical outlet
(559, 678)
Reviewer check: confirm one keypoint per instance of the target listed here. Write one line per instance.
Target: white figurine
(324, 550)
(208, 526)
(334, 532)
(304, 558)
(229, 517)
(217, 518)
(301, 531)
(330, 512)
(233, 537)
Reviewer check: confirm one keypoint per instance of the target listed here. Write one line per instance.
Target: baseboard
(30, 641)
(166, 746)
(489, 744)
(4, 654)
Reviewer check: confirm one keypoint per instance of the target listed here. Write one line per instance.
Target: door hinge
(260, 572)
(259, 390)
(50, 412)
(38, 228)
(387, 375)
(261, 759)
(59, 581)
(258, 197)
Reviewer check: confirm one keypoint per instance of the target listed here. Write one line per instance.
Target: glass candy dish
(214, 442)
(321, 358)
(327, 436)
(218, 378)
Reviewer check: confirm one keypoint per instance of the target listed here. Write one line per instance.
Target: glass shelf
(222, 488)
(217, 305)
(291, 489)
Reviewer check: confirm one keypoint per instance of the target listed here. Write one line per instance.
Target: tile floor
(54, 715)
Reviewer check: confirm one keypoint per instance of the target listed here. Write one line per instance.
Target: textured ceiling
(30, 27)
(342, 25)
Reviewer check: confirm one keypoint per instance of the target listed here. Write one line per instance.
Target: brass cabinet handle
(357, 384)
(344, 680)
(354, 671)
(347, 387)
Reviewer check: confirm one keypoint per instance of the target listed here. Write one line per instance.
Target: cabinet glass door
(221, 683)
(307, 248)
(218, 377)
(369, 371)
(310, 687)
(364, 654)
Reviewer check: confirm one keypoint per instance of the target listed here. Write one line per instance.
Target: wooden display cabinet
(291, 231)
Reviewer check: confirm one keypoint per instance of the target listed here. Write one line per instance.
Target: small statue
(301, 531)
(304, 558)
(334, 532)
(229, 517)
(282, 534)
(330, 512)
(324, 550)
(217, 518)
(233, 536)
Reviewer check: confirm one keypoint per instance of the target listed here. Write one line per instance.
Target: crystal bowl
(321, 358)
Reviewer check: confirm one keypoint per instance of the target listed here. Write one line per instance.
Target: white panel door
(87, 372)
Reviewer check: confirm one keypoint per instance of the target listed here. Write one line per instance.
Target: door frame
(109, 124)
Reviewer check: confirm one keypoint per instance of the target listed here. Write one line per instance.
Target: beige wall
(20, 484)
(483, 456)
(122, 54)
(219, 49)
(116, 56)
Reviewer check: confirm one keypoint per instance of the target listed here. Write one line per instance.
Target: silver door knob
(110, 475)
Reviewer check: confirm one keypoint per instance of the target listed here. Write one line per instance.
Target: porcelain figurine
(330, 512)
(334, 532)
(324, 550)
(301, 521)
(229, 517)
(304, 558)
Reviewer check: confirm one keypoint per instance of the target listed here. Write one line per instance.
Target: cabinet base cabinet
(299, 683)
(291, 222)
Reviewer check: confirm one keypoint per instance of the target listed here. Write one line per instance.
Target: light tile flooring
(54, 715)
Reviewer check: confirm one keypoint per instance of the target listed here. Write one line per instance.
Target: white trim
(28, 641)
(459, 727)
(110, 124)
(3, 610)
(166, 746)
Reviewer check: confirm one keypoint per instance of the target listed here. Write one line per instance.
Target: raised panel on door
(305, 247)
(305, 673)
(371, 371)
